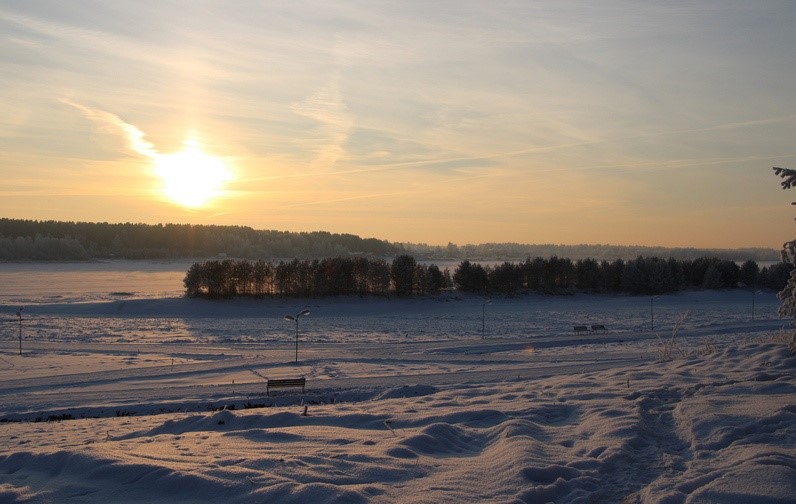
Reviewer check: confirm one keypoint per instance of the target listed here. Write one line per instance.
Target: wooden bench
(598, 327)
(581, 328)
(284, 383)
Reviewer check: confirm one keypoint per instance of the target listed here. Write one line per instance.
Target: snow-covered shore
(436, 400)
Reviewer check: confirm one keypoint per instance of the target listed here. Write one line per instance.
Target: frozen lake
(142, 301)
(32, 283)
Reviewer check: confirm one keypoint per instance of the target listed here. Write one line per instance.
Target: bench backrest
(287, 382)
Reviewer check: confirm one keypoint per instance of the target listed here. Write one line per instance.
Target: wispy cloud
(326, 106)
(544, 101)
(424, 189)
(134, 136)
(97, 41)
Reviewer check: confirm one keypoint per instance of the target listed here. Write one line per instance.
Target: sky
(620, 122)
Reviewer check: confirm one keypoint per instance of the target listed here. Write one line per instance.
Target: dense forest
(515, 251)
(54, 240)
(404, 276)
(31, 240)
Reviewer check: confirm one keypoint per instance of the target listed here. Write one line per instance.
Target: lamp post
(652, 313)
(296, 320)
(19, 314)
(754, 295)
(483, 318)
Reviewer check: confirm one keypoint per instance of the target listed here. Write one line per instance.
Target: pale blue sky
(651, 123)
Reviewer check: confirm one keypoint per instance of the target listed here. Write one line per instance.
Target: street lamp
(483, 317)
(296, 319)
(652, 314)
(19, 314)
(754, 295)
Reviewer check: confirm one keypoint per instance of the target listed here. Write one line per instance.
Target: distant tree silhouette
(612, 275)
(506, 278)
(402, 272)
(589, 275)
(730, 273)
(471, 277)
(52, 240)
(560, 275)
(713, 278)
(378, 276)
(262, 277)
(435, 279)
(749, 274)
(776, 276)
(193, 280)
(347, 276)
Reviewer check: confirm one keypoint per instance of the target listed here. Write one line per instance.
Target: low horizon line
(404, 243)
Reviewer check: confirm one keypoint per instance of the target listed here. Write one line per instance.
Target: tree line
(58, 240)
(404, 276)
(515, 251)
(340, 276)
(54, 240)
(643, 275)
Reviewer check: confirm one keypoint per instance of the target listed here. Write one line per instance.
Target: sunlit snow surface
(432, 400)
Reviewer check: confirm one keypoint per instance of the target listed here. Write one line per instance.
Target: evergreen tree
(589, 275)
(677, 274)
(403, 274)
(435, 279)
(730, 273)
(776, 276)
(532, 271)
(749, 274)
(612, 275)
(712, 278)
(471, 277)
(262, 275)
(505, 278)
(193, 280)
(788, 294)
(633, 277)
(379, 277)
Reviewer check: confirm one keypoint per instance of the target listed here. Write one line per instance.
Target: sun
(191, 177)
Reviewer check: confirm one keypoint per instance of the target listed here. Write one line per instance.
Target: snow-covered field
(430, 400)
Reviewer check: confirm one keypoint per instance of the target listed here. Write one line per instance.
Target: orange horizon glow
(527, 122)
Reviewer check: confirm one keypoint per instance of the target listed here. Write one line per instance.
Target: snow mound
(443, 439)
(429, 420)
(407, 391)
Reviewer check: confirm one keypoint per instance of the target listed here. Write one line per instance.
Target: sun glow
(191, 178)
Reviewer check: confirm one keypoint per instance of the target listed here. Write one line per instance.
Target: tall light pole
(296, 319)
(19, 314)
(483, 318)
(754, 295)
(652, 314)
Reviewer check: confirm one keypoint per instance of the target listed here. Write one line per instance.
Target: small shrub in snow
(666, 348)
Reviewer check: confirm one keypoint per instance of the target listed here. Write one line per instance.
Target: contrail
(379, 195)
(548, 148)
(134, 136)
